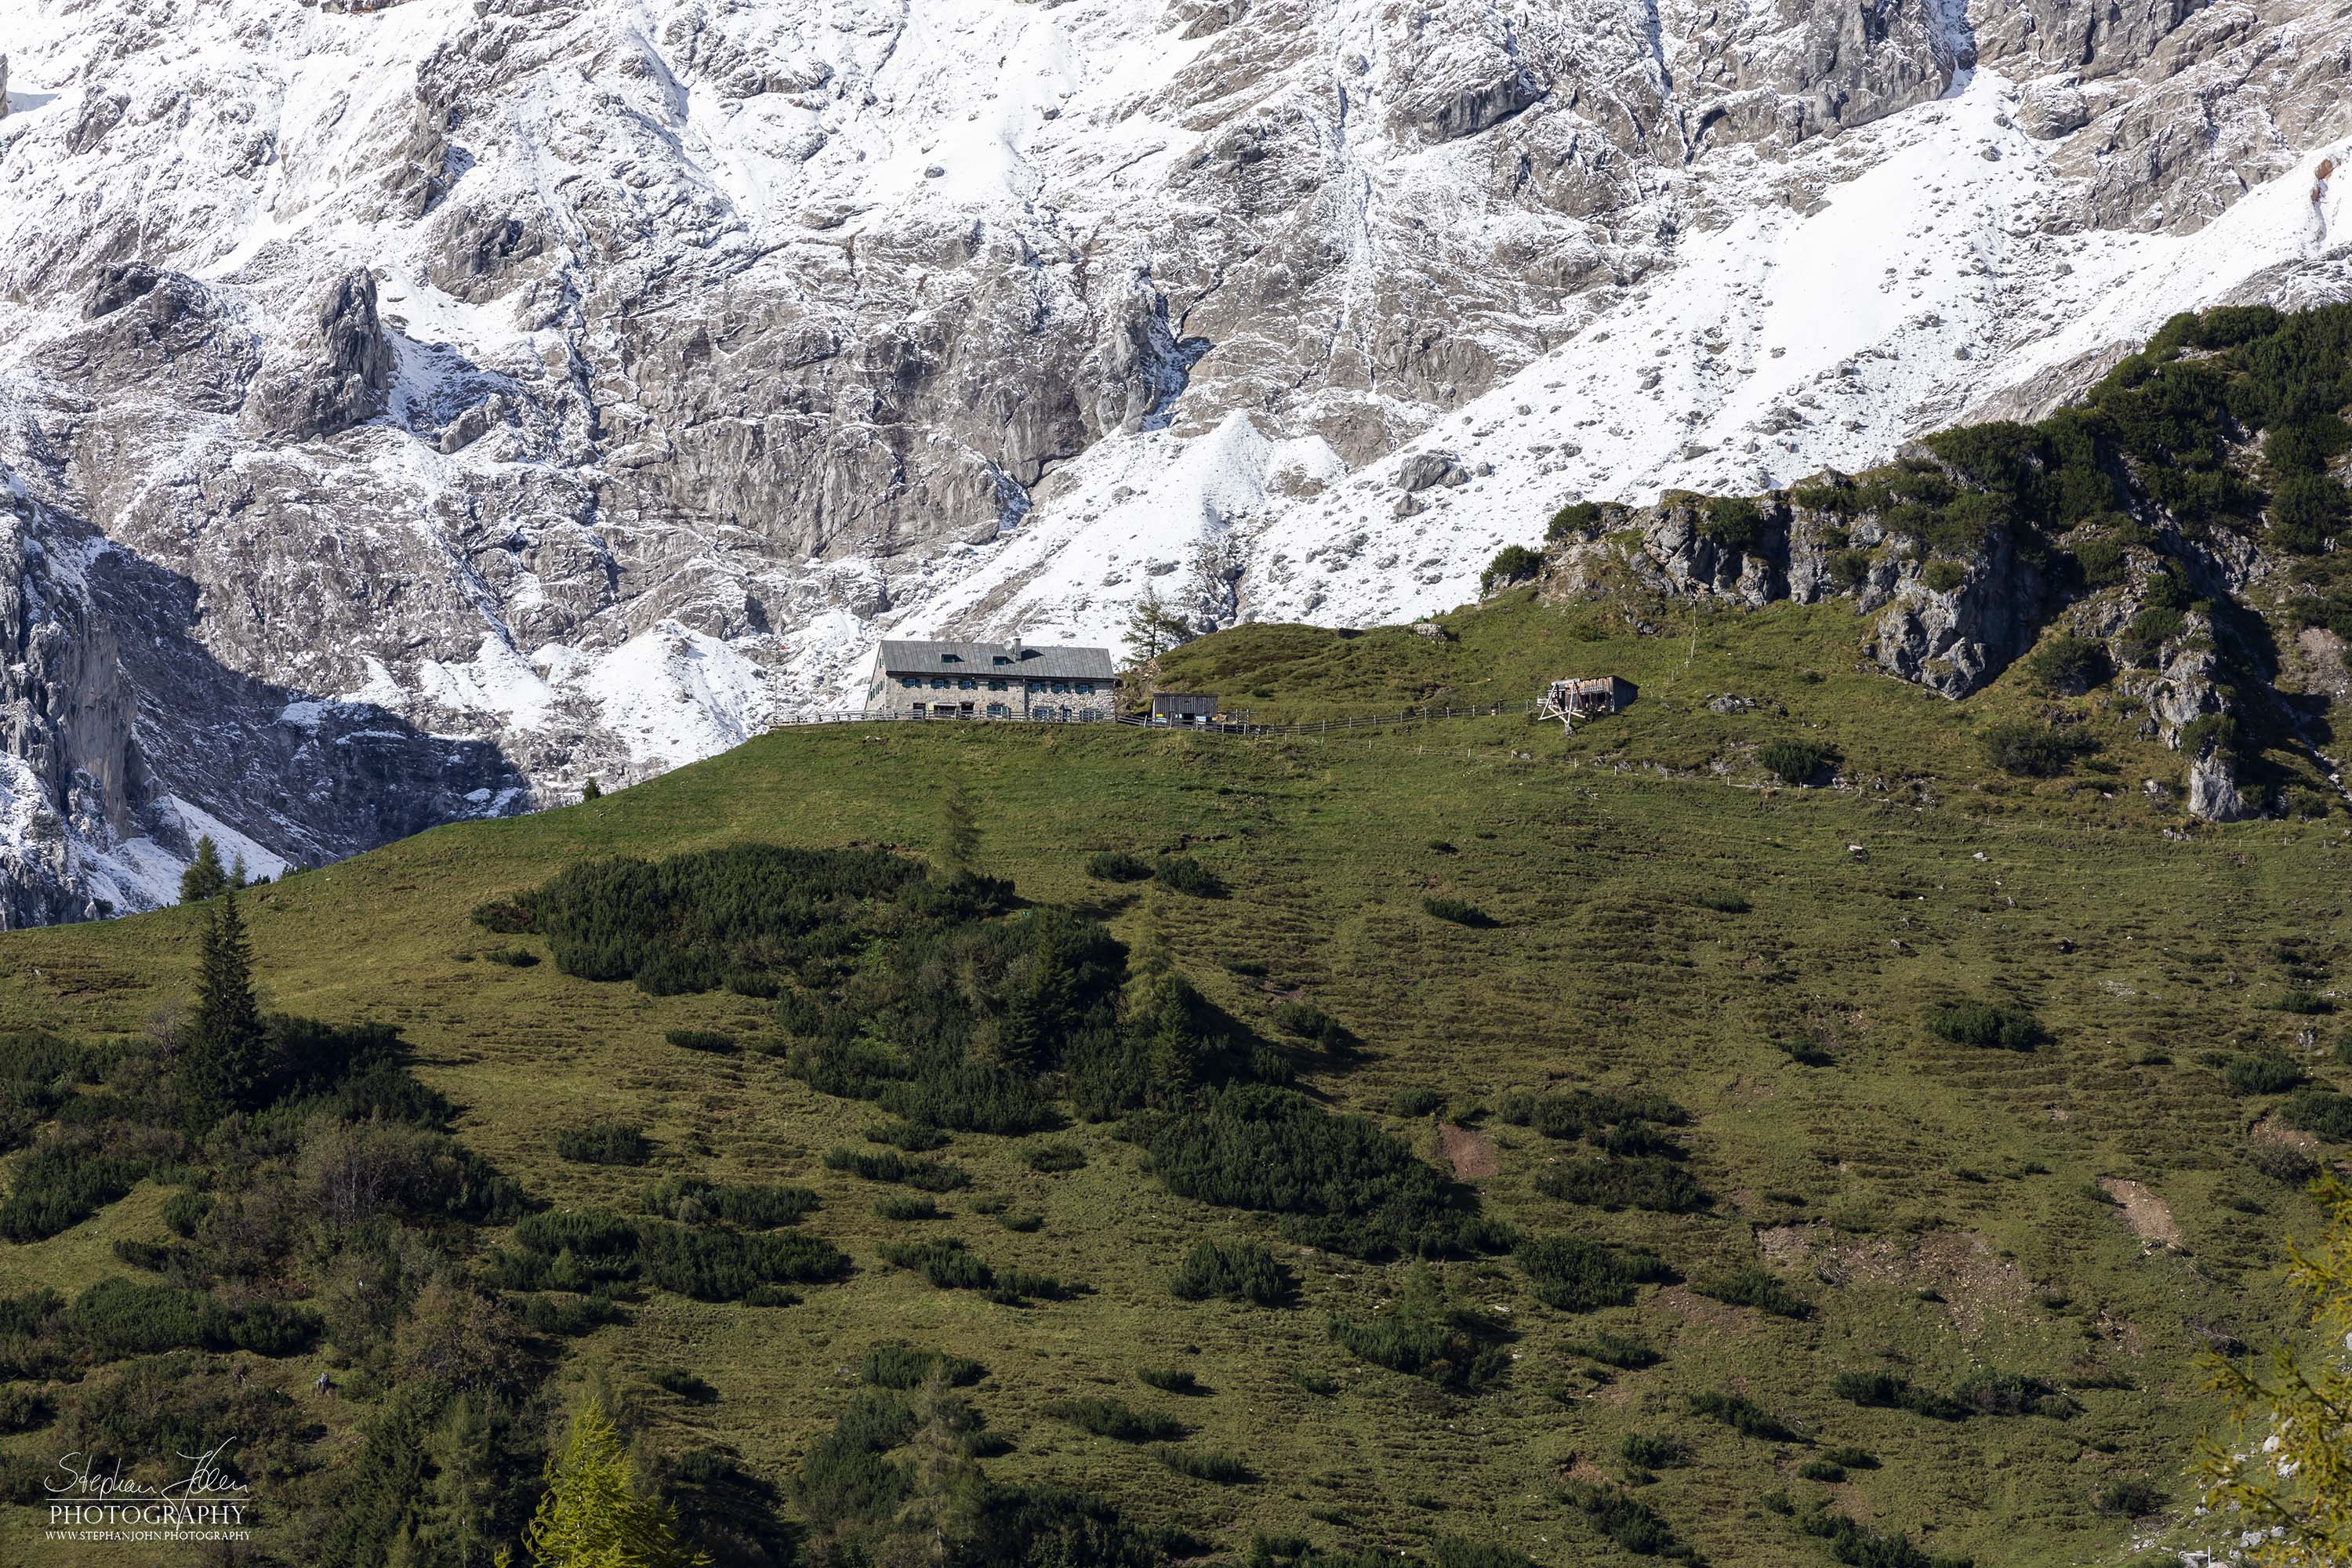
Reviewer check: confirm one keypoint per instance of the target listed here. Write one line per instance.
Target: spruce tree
(223, 1066)
(1160, 1029)
(462, 1501)
(589, 791)
(204, 877)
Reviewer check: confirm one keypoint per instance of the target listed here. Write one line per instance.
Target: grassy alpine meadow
(1816, 1171)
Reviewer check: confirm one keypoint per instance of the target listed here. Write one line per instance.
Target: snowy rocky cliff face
(406, 410)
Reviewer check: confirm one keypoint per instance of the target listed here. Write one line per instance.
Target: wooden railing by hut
(1229, 726)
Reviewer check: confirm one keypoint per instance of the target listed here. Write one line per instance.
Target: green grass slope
(1663, 917)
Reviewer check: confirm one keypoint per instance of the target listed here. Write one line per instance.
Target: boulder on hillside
(1424, 470)
(2214, 792)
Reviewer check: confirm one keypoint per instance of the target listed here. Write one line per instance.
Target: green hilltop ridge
(2169, 548)
(1825, 1112)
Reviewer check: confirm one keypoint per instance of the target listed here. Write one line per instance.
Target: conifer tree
(589, 791)
(946, 1491)
(1160, 1028)
(1153, 628)
(960, 828)
(463, 1497)
(2285, 1470)
(592, 1516)
(223, 1066)
(204, 877)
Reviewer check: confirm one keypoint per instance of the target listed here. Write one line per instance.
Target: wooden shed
(1183, 707)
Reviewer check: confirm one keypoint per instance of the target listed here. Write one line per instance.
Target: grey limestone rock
(122, 721)
(330, 378)
(1954, 640)
(2214, 792)
(1427, 471)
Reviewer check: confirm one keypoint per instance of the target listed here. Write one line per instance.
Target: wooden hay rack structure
(1572, 697)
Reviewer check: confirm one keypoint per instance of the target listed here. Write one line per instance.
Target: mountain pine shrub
(604, 1143)
(1759, 1288)
(2260, 1074)
(1116, 1420)
(1984, 1025)
(1512, 563)
(1795, 761)
(1243, 1272)
(2035, 750)
(1732, 522)
(1573, 1275)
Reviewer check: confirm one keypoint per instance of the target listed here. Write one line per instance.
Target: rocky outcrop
(1455, 81)
(1951, 621)
(2214, 792)
(2051, 107)
(122, 740)
(71, 765)
(482, 253)
(329, 379)
(1954, 637)
(1423, 469)
(1837, 67)
(1948, 625)
(146, 329)
(1696, 556)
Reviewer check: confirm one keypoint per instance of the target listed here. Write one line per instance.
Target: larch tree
(591, 1515)
(960, 828)
(205, 877)
(1153, 628)
(2285, 1469)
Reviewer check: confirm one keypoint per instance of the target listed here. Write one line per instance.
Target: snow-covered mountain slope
(550, 388)
(1914, 293)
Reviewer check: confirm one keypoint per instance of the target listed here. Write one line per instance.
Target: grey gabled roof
(1028, 660)
(1185, 702)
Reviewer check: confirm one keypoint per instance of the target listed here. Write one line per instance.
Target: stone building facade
(990, 680)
